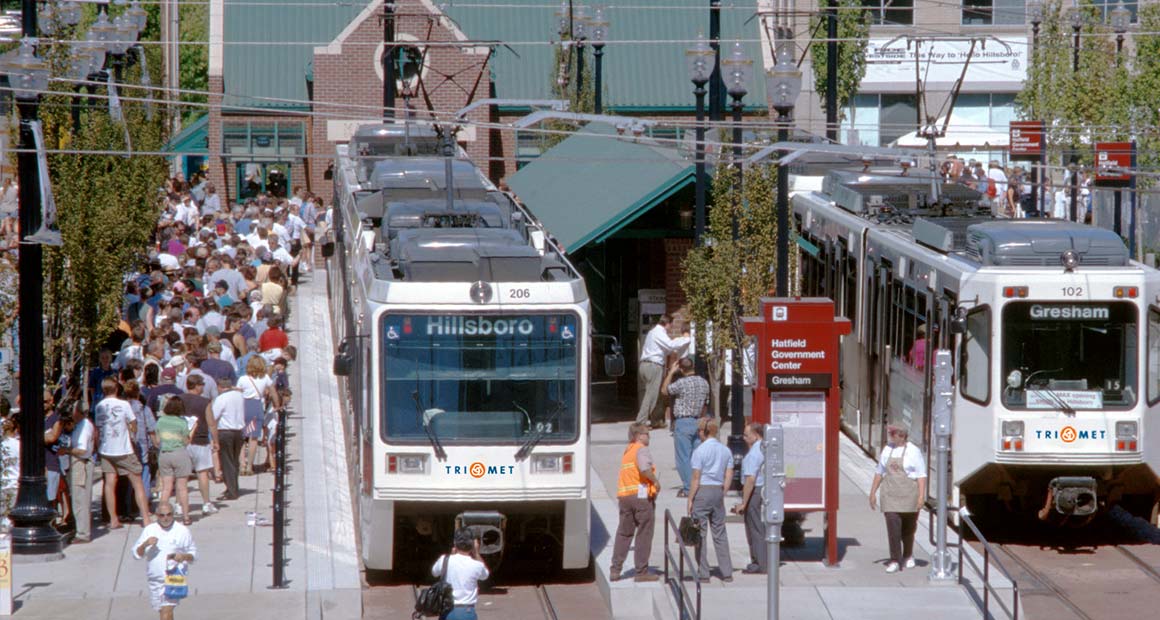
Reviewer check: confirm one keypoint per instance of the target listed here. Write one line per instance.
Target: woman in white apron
(901, 475)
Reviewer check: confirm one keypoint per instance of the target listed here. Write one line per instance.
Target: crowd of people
(1010, 192)
(188, 387)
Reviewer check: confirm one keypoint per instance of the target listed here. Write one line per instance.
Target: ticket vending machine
(797, 387)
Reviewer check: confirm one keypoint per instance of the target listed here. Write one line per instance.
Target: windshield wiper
(526, 449)
(440, 454)
(1059, 401)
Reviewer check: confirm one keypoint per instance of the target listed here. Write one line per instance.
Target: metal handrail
(687, 608)
(985, 572)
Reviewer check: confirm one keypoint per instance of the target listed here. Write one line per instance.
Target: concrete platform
(230, 579)
(858, 588)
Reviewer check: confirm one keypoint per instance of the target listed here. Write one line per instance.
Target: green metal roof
(267, 45)
(592, 184)
(193, 138)
(638, 74)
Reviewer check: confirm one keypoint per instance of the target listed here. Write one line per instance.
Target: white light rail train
(1055, 333)
(464, 340)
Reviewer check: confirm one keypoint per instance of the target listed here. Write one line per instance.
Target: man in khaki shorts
(118, 426)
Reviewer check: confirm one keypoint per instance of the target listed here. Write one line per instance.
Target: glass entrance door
(256, 177)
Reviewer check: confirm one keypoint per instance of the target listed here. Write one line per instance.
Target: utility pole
(389, 60)
(832, 70)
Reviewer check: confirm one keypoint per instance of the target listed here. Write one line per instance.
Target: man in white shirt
(80, 474)
(465, 569)
(995, 173)
(118, 427)
(159, 543)
(229, 411)
(651, 370)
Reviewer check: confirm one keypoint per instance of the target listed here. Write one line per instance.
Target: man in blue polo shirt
(712, 465)
(753, 476)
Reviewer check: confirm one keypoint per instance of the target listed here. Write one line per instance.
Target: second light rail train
(1055, 333)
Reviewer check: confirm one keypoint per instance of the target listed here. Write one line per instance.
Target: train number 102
(1072, 291)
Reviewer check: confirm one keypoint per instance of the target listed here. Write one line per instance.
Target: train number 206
(519, 293)
(1072, 291)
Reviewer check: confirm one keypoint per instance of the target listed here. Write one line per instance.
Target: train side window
(1153, 355)
(975, 356)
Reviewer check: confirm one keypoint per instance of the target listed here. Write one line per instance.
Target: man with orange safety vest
(636, 492)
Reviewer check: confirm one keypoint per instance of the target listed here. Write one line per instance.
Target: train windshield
(1069, 356)
(480, 378)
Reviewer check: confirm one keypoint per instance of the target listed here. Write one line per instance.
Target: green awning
(193, 138)
(594, 183)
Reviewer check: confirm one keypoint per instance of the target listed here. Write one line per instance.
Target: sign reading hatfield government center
(797, 357)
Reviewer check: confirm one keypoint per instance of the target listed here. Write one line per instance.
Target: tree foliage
(106, 203)
(581, 99)
(713, 272)
(1080, 107)
(1145, 84)
(194, 58)
(853, 38)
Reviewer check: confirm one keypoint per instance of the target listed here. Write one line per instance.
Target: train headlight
(1012, 435)
(1126, 436)
(1069, 259)
(1126, 430)
(407, 464)
(551, 463)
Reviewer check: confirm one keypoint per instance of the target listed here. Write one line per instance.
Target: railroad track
(547, 601)
(1086, 583)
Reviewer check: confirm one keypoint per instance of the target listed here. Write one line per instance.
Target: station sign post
(797, 388)
(1026, 143)
(1115, 164)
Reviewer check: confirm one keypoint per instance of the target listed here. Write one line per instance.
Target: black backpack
(437, 599)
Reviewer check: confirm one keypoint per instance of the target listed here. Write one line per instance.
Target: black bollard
(279, 499)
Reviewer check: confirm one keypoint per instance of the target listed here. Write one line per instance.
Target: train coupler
(1071, 496)
(489, 527)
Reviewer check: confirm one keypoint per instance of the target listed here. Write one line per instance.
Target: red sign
(797, 353)
(1026, 139)
(1114, 162)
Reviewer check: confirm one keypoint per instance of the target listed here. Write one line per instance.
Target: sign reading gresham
(1041, 312)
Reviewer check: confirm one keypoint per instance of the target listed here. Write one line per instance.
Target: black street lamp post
(599, 26)
(1038, 173)
(579, 35)
(699, 58)
(32, 531)
(737, 69)
(389, 55)
(1077, 20)
(1121, 16)
(783, 84)
(716, 90)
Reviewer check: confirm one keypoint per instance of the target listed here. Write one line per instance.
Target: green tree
(713, 272)
(1145, 116)
(853, 37)
(106, 199)
(194, 59)
(1079, 107)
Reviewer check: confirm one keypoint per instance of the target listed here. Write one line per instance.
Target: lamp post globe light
(738, 71)
(31, 517)
(69, 13)
(598, 25)
(699, 60)
(103, 30)
(1121, 16)
(579, 34)
(138, 16)
(783, 84)
(563, 19)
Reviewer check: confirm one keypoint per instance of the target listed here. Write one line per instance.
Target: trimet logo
(1069, 434)
(479, 470)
